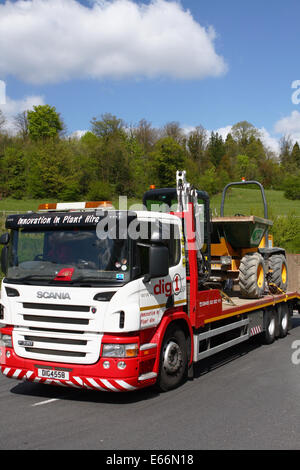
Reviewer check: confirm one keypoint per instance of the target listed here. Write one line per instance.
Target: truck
(119, 300)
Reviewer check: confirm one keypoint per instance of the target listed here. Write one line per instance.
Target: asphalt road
(247, 398)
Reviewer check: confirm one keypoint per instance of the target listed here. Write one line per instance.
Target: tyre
(252, 276)
(173, 360)
(270, 326)
(283, 320)
(278, 271)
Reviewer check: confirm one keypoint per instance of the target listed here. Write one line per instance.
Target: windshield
(73, 255)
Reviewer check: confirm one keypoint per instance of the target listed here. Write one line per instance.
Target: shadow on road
(48, 392)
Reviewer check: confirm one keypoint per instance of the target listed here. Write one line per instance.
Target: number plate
(53, 374)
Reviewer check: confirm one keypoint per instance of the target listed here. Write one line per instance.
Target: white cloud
(269, 142)
(224, 131)
(78, 134)
(14, 107)
(44, 41)
(289, 126)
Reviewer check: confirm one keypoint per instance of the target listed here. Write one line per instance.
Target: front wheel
(173, 360)
(252, 275)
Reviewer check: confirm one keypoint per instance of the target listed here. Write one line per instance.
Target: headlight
(120, 350)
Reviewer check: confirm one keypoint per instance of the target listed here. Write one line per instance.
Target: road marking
(45, 402)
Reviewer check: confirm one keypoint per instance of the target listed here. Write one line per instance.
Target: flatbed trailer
(239, 319)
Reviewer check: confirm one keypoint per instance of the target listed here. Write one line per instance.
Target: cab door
(159, 294)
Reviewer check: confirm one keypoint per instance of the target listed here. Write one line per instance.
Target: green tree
(216, 149)
(196, 145)
(53, 170)
(285, 151)
(242, 132)
(145, 135)
(168, 156)
(246, 168)
(14, 169)
(295, 155)
(44, 122)
(109, 126)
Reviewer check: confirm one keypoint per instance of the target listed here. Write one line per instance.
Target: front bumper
(138, 373)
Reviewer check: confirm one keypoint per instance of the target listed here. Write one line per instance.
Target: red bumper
(137, 374)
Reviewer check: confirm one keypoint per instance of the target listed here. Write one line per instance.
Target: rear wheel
(283, 325)
(278, 271)
(270, 326)
(173, 360)
(252, 275)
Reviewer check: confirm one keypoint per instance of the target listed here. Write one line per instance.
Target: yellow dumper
(242, 252)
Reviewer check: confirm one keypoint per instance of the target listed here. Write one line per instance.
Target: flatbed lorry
(96, 298)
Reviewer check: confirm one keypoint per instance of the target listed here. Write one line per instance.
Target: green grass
(22, 205)
(249, 202)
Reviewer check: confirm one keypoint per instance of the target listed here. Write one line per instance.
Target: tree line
(113, 158)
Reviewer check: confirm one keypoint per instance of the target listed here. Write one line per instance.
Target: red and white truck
(111, 300)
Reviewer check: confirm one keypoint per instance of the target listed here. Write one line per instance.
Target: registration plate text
(53, 374)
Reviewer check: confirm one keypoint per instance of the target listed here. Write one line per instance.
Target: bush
(99, 191)
(286, 232)
(291, 186)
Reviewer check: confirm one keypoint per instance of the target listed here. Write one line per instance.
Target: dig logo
(168, 288)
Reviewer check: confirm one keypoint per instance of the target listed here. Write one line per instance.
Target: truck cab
(74, 279)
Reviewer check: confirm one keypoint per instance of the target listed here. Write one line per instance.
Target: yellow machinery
(242, 252)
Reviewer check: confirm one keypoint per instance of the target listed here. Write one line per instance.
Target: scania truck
(113, 300)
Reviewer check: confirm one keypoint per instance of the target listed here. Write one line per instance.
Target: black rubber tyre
(283, 320)
(252, 276)
(278, 271)
(173, 360)
(269, 326)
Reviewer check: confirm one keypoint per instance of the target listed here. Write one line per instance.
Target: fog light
(7, 340)
(8, 354)
(122, 365)
(106, 364)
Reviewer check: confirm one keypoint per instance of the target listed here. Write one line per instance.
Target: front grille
(55, 316)
(54, 352)
(61, 333)
(49, 319)
(59, 346)
(62, 308)
(41, 339)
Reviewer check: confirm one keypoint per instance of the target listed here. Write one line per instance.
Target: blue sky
(244, 70)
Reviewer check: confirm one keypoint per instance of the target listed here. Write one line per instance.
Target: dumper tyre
(252, 276)
(278, 271)
(173, 368)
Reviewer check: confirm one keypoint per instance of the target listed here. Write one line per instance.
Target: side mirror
(4, 239)
(4, 259)
(158, 262)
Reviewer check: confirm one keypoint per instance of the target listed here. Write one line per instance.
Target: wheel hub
(172, 357)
